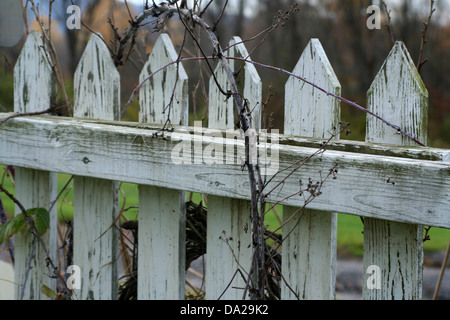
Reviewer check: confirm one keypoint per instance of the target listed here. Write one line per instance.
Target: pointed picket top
(308, 111)
(398, 95)
(97, 83)
(165, 94)
(222, 111)
(34, 83)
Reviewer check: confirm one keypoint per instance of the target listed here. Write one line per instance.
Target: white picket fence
(398, 188)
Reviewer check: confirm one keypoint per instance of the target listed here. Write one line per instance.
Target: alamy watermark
(73, 282)
(74, 20)
(374, 280)
(374, 19)
(211, 147)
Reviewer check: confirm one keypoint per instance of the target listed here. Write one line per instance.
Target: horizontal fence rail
(130, 154)
(396, 186)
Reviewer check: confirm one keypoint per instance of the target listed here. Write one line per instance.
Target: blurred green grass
(349, 235)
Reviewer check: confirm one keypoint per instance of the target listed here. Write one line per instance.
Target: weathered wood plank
(309, 265)
(95, 240)
(410, 152)
(96, 201)
(398, 95)
(130, 154)
(360, 147)
(34, 90)
(35, 189)
(229, 237)
(162, 223)
(309, 246)
(161, 253)
(228, 247)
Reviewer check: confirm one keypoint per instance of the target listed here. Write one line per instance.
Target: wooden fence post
(396, 249)
(309, 245)
(34, 91)
(162, 220)
(229, 239)
(96, 201)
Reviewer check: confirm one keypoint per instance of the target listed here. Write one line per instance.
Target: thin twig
(206, 8)
(424, 40)
(25, 114)
(52, 204)
(388, 25)
(216, 23)
(25, 15)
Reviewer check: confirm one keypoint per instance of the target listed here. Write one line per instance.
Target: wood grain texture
(34, 91)
(229, 247)
(162, 223)
(229, 236)
(310, 235)
(96, 201)
(398, 95)
(161, 254)
(95, 237)
(310, 254)
(35, 189)
(130, 154)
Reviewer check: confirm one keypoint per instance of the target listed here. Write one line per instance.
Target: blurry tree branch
(424, 40)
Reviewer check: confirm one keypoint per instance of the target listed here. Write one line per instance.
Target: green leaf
(41, 219)
(48, 292)
(3, 232)
(15, 225)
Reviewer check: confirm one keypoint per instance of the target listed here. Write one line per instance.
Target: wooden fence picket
(309, 245)
(162, 223)
(96, 201)
(229, 239)
(34, 91)
(398, 95)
